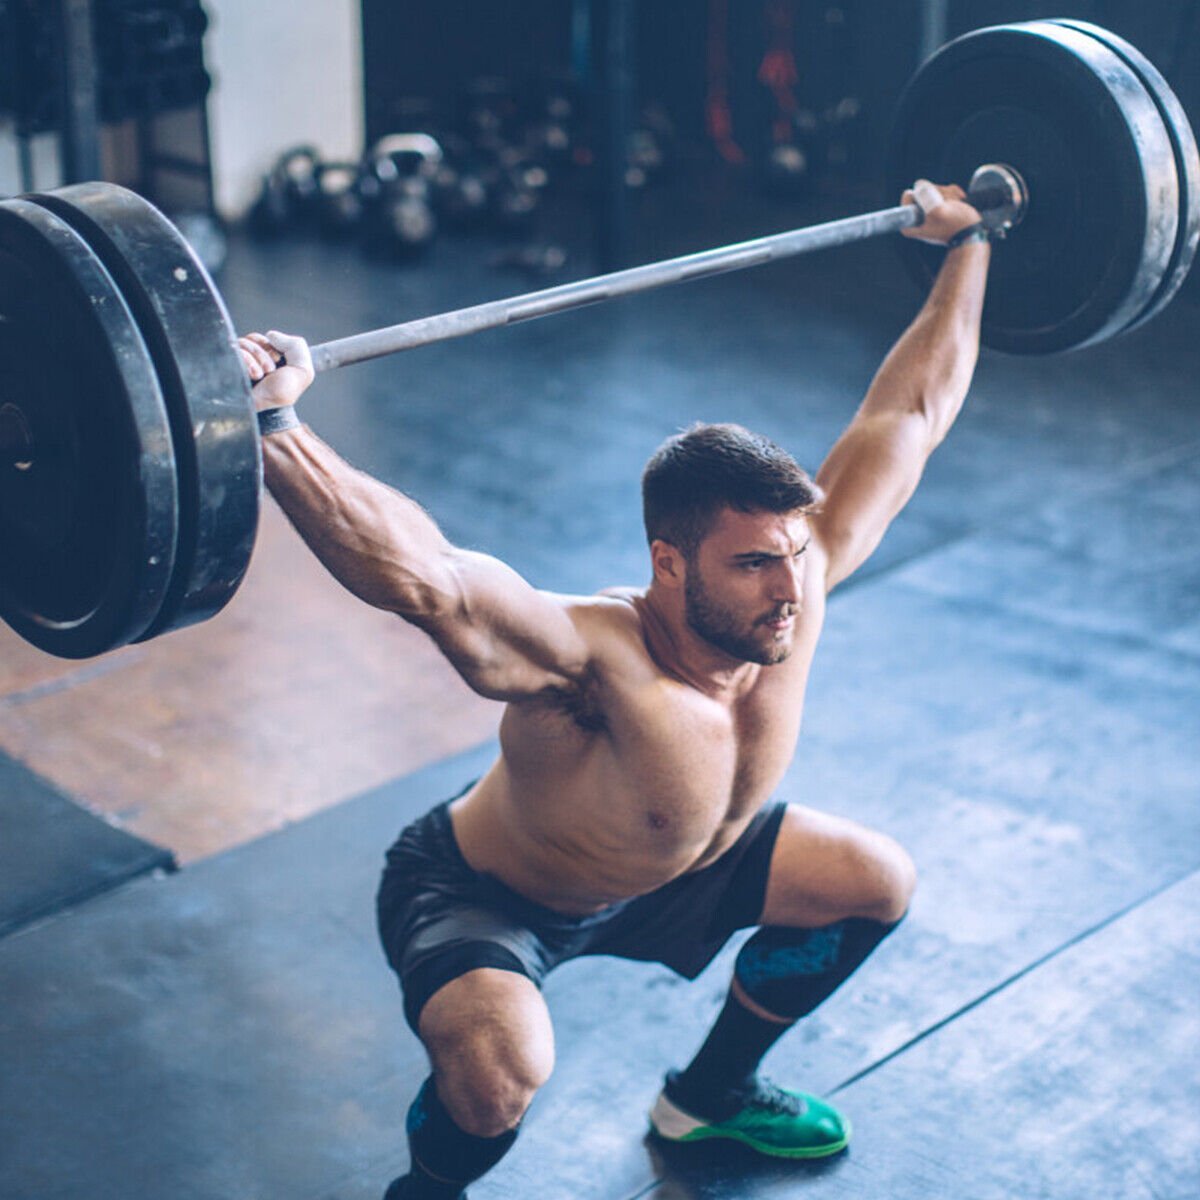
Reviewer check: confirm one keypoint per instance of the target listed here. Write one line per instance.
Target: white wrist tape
(927, 196)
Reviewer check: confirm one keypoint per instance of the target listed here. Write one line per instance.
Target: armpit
(580, 701)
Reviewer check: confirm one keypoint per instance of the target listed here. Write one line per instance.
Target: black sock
(724, 1066)
(444, 1157)
(788, 973)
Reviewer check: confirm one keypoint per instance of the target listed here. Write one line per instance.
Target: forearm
(929, 370)
(376, 542)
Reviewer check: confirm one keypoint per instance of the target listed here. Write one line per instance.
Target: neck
(679, 651)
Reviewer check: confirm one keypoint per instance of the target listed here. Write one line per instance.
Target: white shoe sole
(670, 1121)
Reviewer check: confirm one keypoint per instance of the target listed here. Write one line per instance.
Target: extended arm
(507, 639)
(875, 466)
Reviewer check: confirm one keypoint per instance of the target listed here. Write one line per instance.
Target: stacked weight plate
(1106, 152)
(129, 461)
(89, 501)
(186, 329)
(1186, 157)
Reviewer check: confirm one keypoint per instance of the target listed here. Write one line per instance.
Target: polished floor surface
(1012, 688)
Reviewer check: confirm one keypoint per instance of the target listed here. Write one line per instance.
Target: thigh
(439, 920)
(826, 868)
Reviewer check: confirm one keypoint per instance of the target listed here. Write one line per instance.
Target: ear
(670, 566)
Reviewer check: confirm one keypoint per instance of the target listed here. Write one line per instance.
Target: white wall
(284, 72)
(45, 162)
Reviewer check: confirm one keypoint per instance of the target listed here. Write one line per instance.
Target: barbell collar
(1000, 195)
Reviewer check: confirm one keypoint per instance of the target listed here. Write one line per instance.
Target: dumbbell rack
(84, 44)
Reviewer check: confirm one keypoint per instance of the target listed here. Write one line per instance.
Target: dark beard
(719, 627)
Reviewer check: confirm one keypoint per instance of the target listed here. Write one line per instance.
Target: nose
(789, 584)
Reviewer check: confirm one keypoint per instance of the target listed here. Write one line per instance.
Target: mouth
(778, 624)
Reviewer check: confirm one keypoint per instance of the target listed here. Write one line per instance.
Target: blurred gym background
(1011, 687)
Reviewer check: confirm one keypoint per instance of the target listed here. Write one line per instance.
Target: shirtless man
(645, 730)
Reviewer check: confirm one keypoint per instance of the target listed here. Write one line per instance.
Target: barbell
(130, 464)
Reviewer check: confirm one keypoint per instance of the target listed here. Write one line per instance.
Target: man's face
(744, 584)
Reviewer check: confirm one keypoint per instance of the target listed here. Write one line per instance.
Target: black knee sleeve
(790, 971)
(443, 1150)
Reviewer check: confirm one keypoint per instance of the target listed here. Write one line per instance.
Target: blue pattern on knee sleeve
(418, 1113)
(814, 952)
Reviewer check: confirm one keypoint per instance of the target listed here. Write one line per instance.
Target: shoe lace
(774, 1099)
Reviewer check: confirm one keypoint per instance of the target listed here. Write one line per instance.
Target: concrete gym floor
(1012, 688)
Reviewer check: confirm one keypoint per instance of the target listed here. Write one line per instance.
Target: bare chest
(663, 762)
(693, 759)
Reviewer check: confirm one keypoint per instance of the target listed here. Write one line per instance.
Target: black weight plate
(1187, 163)
(190, 337)
(1074, 120)
(88, 508)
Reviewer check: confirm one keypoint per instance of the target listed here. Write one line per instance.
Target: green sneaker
(772, 1120)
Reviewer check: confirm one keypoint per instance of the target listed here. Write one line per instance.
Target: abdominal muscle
(572, 833)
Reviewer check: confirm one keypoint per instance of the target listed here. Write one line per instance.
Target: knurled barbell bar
(130, 468)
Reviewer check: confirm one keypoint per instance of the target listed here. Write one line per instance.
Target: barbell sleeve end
(1000, 195)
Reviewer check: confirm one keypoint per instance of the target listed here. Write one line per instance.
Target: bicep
(867, 479)
(506, 638)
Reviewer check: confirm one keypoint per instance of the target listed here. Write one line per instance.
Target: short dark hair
(695, 474)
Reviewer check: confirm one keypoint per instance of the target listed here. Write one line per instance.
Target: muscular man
(645, 730)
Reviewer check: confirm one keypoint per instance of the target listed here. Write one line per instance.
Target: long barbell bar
(212, 451)
(996, 190)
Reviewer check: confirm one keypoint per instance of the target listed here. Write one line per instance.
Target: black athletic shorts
(439, 918)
